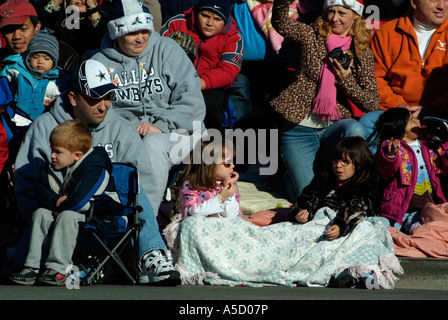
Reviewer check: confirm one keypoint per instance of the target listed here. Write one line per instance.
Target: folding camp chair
(107, 228)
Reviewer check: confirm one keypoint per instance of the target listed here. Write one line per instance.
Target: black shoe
(343, 280)
(25, 277)
(52, 278)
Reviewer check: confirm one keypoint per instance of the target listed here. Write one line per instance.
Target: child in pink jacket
(411, 165)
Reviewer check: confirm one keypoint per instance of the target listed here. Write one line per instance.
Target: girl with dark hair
(411, 165)
(347, 185)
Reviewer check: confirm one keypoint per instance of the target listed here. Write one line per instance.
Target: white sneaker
(156, 270)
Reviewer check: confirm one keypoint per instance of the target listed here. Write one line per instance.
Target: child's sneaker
(158, 271)
(25, 277)
(52, 278)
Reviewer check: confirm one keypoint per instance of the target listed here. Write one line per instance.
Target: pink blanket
(427, 240)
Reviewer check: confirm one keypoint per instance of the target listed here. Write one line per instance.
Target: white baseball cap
(92, 78)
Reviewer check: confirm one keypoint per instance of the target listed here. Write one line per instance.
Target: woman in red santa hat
(335, 85)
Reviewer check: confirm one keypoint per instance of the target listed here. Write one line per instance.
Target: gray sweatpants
(52, 242)
(165, 150)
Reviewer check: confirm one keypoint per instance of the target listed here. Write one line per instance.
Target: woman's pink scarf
(325, 102)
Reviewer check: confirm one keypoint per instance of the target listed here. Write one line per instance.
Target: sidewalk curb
(423, 273)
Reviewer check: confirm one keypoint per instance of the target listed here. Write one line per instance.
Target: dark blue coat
(90, 177)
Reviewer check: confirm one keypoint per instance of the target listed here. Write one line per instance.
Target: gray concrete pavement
(423, 273)
(200, 293)
(424, 279)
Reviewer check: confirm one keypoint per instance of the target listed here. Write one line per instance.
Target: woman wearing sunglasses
(348, 185)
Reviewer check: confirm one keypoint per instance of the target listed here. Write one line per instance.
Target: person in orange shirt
(406, 51)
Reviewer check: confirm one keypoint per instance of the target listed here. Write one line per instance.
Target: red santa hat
(355, 5)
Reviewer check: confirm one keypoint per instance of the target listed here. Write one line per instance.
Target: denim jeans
(304, 148)
(368, 121)
(149, 236)
(409, 219)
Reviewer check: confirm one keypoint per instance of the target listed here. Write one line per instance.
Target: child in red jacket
(219, 51)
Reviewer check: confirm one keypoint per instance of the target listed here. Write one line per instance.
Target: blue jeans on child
(409, 219)
(300, 146)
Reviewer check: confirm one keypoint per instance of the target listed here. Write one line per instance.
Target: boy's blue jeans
(300, 145)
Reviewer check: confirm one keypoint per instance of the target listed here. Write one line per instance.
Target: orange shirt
(400, 70)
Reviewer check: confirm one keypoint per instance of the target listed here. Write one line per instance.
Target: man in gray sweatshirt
(87, 101)
(160, 89)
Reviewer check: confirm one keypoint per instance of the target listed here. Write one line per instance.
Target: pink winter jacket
(400, 176)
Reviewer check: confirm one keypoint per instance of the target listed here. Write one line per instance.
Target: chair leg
(114, 254)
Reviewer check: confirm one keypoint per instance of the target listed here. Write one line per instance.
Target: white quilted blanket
(232, 251)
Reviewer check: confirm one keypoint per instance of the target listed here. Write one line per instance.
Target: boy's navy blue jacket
(87, 177)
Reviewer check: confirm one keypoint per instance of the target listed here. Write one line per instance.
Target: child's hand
(48, 102)
(91, 3)
(203, 84)
(233, 179)
(58, 203)
(333, 232)
(302, 216)
(228, 190)
(393, 147)
(60, 200)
